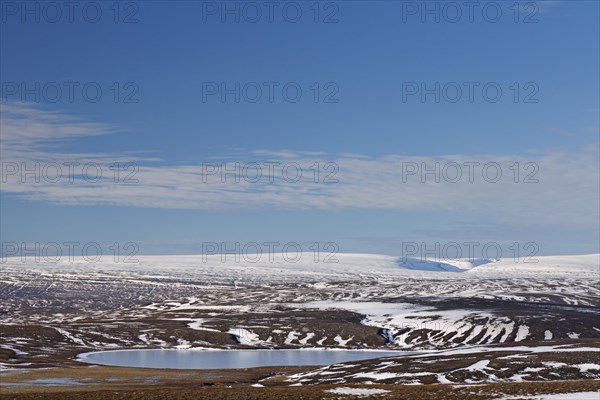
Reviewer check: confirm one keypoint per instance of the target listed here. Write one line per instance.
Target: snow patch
(342, 342)
(522, 333)
(306, 339)
(478, 366)
(293, 335)
(377, 376)
(360, 392)
(561, 396)
(588, 367)
(245, 337)
(70, 336)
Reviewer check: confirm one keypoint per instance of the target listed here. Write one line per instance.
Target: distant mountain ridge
(589, 263)
(340, 267)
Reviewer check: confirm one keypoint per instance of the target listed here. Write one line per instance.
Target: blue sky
(175, 49)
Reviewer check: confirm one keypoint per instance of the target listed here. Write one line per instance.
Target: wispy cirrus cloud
(565, 194)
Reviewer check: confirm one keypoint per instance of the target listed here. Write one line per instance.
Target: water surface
(227, 359)
(45, 382)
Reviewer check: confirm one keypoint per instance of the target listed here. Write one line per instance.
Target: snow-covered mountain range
(216, 269)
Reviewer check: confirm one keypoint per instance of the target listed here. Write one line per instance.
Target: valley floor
(478, 337)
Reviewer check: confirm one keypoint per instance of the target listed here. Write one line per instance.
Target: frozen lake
(228, 359)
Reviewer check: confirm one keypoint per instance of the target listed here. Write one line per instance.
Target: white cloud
(567, 193)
